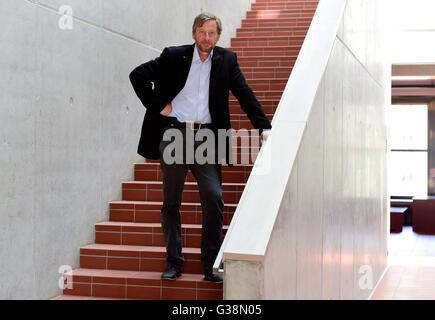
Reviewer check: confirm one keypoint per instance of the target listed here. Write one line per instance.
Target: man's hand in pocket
(167, 110)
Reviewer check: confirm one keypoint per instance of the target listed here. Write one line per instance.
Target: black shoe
(213, 277)
(171, 273)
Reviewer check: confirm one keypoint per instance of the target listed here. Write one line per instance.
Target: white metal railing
(250, 230)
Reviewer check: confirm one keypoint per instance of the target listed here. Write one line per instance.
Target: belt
(195, 126)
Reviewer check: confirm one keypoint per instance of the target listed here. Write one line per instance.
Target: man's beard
(204, 49)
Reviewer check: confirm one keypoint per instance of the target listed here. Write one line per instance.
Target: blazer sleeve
(146, 80)
(246, 97)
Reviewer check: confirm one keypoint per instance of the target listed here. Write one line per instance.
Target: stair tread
(269, 69)
(126, 274)
(188, 183)
(234, 167)
(148, 224)
(72, 297)
(267, 79)
(134, 202)
(265, 48)
(290, 28)
(269, 37)
(135, 248)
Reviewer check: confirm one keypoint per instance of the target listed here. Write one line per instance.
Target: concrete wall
(329, 237)
(70, 122)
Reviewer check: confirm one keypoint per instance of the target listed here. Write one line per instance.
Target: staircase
(129, 254)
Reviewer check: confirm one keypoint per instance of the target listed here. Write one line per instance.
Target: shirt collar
(196, 57)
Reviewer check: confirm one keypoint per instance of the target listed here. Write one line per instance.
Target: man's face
(206, 36)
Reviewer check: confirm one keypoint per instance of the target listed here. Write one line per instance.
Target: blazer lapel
(215, 67)
(186, 62)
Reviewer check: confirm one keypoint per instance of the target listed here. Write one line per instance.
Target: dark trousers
(209, 179)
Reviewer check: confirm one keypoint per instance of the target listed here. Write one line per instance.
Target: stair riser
(255, 42)
(266, 102)
(190, 214)
(270, 106)
(265, 33)
(152, 237)
(243, 124)
(261, 32)
(155, 217)
(267, 95)
(190, 194)
(278, 17)
(267, 109)
(300, 22)
(280, 14)
(281, 10)
(267, 52)
(144, 289)
(255, 62)
(153, 175)
(251, 73)
(155, 166)
(275, 86)
(284, 5)
(136, 261)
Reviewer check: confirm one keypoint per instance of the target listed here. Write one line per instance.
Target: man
(187, 88)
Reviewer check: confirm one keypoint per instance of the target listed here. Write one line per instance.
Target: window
(407, 170)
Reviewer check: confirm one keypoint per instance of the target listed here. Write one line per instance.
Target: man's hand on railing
(264, 136)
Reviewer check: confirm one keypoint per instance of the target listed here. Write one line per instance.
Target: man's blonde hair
(206, 16)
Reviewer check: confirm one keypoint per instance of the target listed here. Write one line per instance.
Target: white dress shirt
(191, 103)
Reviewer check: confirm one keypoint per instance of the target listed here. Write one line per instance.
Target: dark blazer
(158, 82)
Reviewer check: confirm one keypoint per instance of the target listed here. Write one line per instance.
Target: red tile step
(272, 41)
(242, 124)
(266, 73)
(135, 258)
(241, 121)
(261, 95)
(273, 61)
(152, 191)
(271, 31)
(284, 2)
(261, 5)
(271, 100)
(150, 212)
(100, 284)
(268, 103)
(153, 172)
(281, 13)
(278, 51)
(269, 106)
(242, 117)
(285, 22)
(145, 234)
(72, 297)
(273, 84)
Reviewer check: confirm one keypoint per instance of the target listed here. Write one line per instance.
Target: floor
(411, 271)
